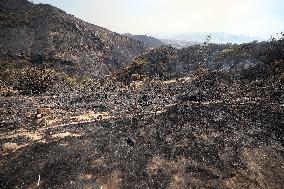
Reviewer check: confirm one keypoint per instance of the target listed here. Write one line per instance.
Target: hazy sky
(260, 18)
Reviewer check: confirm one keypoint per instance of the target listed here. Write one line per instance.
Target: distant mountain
(43, 34)
(178, 43)
(149, 41)
(201, 37)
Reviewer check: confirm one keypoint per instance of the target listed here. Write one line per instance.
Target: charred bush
(32, 81)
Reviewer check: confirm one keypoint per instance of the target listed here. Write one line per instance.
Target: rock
(9, 147)
(191, 98)
(39, 116)
(130, 141)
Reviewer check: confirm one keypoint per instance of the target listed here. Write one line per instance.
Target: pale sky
(260, 18)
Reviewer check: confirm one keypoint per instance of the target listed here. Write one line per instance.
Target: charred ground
(205, 116)
(209, 129)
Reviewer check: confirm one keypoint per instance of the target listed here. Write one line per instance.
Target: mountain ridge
(43, 32)
(149, 41)
(215, 37)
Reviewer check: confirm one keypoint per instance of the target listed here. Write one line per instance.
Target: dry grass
(63, 135)
(264, 170)
(113, 181)
(11, 147)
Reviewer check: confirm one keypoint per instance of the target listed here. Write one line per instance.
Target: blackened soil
(189, 145)
(230, 138)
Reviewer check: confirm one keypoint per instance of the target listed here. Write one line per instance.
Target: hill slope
(207, 130)
(45, 34)
(149, 41)
(167, 61)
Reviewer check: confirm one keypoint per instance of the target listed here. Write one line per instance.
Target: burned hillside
(205, 116)
(210, 129)
(169, 62)
(43, 34)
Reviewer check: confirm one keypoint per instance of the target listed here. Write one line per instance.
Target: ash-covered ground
(84, 107)
(213, 129)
